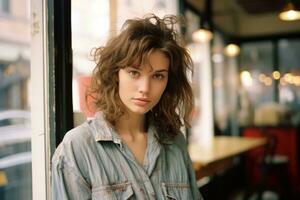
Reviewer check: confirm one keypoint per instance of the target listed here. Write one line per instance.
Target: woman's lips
(140, 101)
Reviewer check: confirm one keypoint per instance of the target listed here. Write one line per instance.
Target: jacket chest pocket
(119, 191)
(176, 191)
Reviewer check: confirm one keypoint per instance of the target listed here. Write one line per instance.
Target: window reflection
(289, 87)
(275, 76)
(4, 6)
(15, 146)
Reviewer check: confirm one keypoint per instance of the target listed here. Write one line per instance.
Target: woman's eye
(134, 74)
(158, 76)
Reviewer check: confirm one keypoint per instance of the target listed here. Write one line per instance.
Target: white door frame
(40, 141)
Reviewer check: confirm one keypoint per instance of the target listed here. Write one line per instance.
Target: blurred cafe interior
(244, 140)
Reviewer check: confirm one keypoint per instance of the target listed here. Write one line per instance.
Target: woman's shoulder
(177, 144)
(180, 141)
(80, 133)
(176, 151)
(72, 153)
(75, 141)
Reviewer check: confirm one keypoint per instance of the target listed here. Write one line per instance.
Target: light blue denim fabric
(92, 162)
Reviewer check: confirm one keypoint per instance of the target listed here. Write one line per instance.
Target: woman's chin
(139, 111)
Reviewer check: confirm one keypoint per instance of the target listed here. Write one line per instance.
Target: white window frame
(40, 141)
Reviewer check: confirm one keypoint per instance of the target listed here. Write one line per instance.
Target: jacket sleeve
(193, 182)
(182, 143)
(67, 183)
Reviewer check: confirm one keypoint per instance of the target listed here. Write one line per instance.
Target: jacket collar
(103, 131)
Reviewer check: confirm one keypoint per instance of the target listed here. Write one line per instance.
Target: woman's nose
(144, 85)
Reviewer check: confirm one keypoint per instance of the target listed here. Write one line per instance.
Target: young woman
(133, 148)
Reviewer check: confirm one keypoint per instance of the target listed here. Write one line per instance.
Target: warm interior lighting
(276, 75)
(288, 77)
(289, 13)
(262, 77)
(246, 78)
(232, 50)
(268, 81)
(296, 80)
(202, 35)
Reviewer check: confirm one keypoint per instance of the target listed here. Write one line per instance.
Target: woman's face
(141, 87)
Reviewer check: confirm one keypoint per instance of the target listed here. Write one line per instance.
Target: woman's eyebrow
(134, 67)
(161, 70)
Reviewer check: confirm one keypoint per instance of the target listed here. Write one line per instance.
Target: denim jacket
(92, 162)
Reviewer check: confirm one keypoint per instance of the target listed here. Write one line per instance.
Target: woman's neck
(131, 126)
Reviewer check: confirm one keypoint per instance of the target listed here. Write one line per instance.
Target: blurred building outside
(15, 133)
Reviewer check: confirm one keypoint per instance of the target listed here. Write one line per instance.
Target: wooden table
(217, 155)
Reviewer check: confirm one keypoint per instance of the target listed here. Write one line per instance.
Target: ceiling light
(202, 35)
(289, 13)
(232, 50)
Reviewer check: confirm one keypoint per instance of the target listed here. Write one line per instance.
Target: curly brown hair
(138, 38)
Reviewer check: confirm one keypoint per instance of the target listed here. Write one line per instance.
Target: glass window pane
(289, 87)
(15, 132)
(90, 29)
(4, 6)
(257, 59)
(132, 8)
